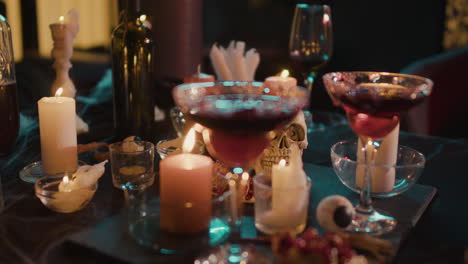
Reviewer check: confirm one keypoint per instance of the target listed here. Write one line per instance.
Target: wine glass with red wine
(238, 117)
(374, 102)
(310, 44)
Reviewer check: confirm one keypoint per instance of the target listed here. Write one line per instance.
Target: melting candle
(57, 127)
(185, 179)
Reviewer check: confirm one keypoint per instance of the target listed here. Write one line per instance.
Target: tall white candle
(383, 178)
(57, 128)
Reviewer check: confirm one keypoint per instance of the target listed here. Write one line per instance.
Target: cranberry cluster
(311, 247)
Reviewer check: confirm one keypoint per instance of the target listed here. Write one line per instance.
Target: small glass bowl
(47, 190)
(403, 175)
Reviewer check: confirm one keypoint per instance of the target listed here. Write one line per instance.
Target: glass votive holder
(280, 209)
(132, 164)
(48, 191)
(387, 180)
(173, 228)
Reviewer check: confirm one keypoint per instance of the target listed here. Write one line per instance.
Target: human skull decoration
(280, 147)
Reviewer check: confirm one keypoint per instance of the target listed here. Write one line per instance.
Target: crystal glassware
(373, 102)
(132, 164)
(388, 180)
(311, 45)
(238, 117)
(47, 189)
(280, 209)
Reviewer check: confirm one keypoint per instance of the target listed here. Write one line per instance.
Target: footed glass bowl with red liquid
(374, 102)
(239, 115)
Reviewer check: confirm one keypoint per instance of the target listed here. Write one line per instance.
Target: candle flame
(66, 179)
(284, 73)
(325, 19)
(232, 184)
(282, 163)
(61, 19)
(59, 91)
(245, 176)
(189, 141)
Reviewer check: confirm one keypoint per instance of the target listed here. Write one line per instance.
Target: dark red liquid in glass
(9, 117)
(373, 115)
(240, 123)
(238, 149)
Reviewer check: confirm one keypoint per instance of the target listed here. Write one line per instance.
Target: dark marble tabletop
(30, 233)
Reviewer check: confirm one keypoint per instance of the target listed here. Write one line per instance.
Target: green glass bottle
(132, 74)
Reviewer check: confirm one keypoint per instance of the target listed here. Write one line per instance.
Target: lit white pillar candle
(57, 128)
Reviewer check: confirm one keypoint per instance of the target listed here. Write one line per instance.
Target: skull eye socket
(295, 132)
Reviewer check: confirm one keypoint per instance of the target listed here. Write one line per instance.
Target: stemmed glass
(373, 102)
(238, 117)
(310, 43)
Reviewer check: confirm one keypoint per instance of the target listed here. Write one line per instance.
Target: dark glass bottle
(132, 70)
(9, 116)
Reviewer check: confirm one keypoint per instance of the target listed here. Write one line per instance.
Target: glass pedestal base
(373, 223)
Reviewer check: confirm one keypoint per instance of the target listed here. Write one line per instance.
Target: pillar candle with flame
(57, 128)
(185, 190)
(283, 81)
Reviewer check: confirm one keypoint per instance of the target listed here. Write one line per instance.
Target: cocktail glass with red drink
(374, 102)
(238, 117)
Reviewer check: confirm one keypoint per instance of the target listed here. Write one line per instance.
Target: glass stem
(309, 81)
(238, 187)
(369, 147)
(129, 194)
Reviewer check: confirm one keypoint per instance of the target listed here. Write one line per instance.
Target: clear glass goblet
(373, 102)
(311, 46)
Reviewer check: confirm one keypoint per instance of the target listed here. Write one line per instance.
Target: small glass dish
(394, 179)
(47, 190)
(33, 171)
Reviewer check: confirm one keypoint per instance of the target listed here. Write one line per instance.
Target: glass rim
(263, 185)
(421, 163)
(329, 75)
(187, 86)
(148, 145)
(307, 5)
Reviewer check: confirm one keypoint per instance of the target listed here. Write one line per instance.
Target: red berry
(300, 244)
(310, 234)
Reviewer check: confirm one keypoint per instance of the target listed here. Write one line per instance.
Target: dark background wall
(377, 35)
(382, 35)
